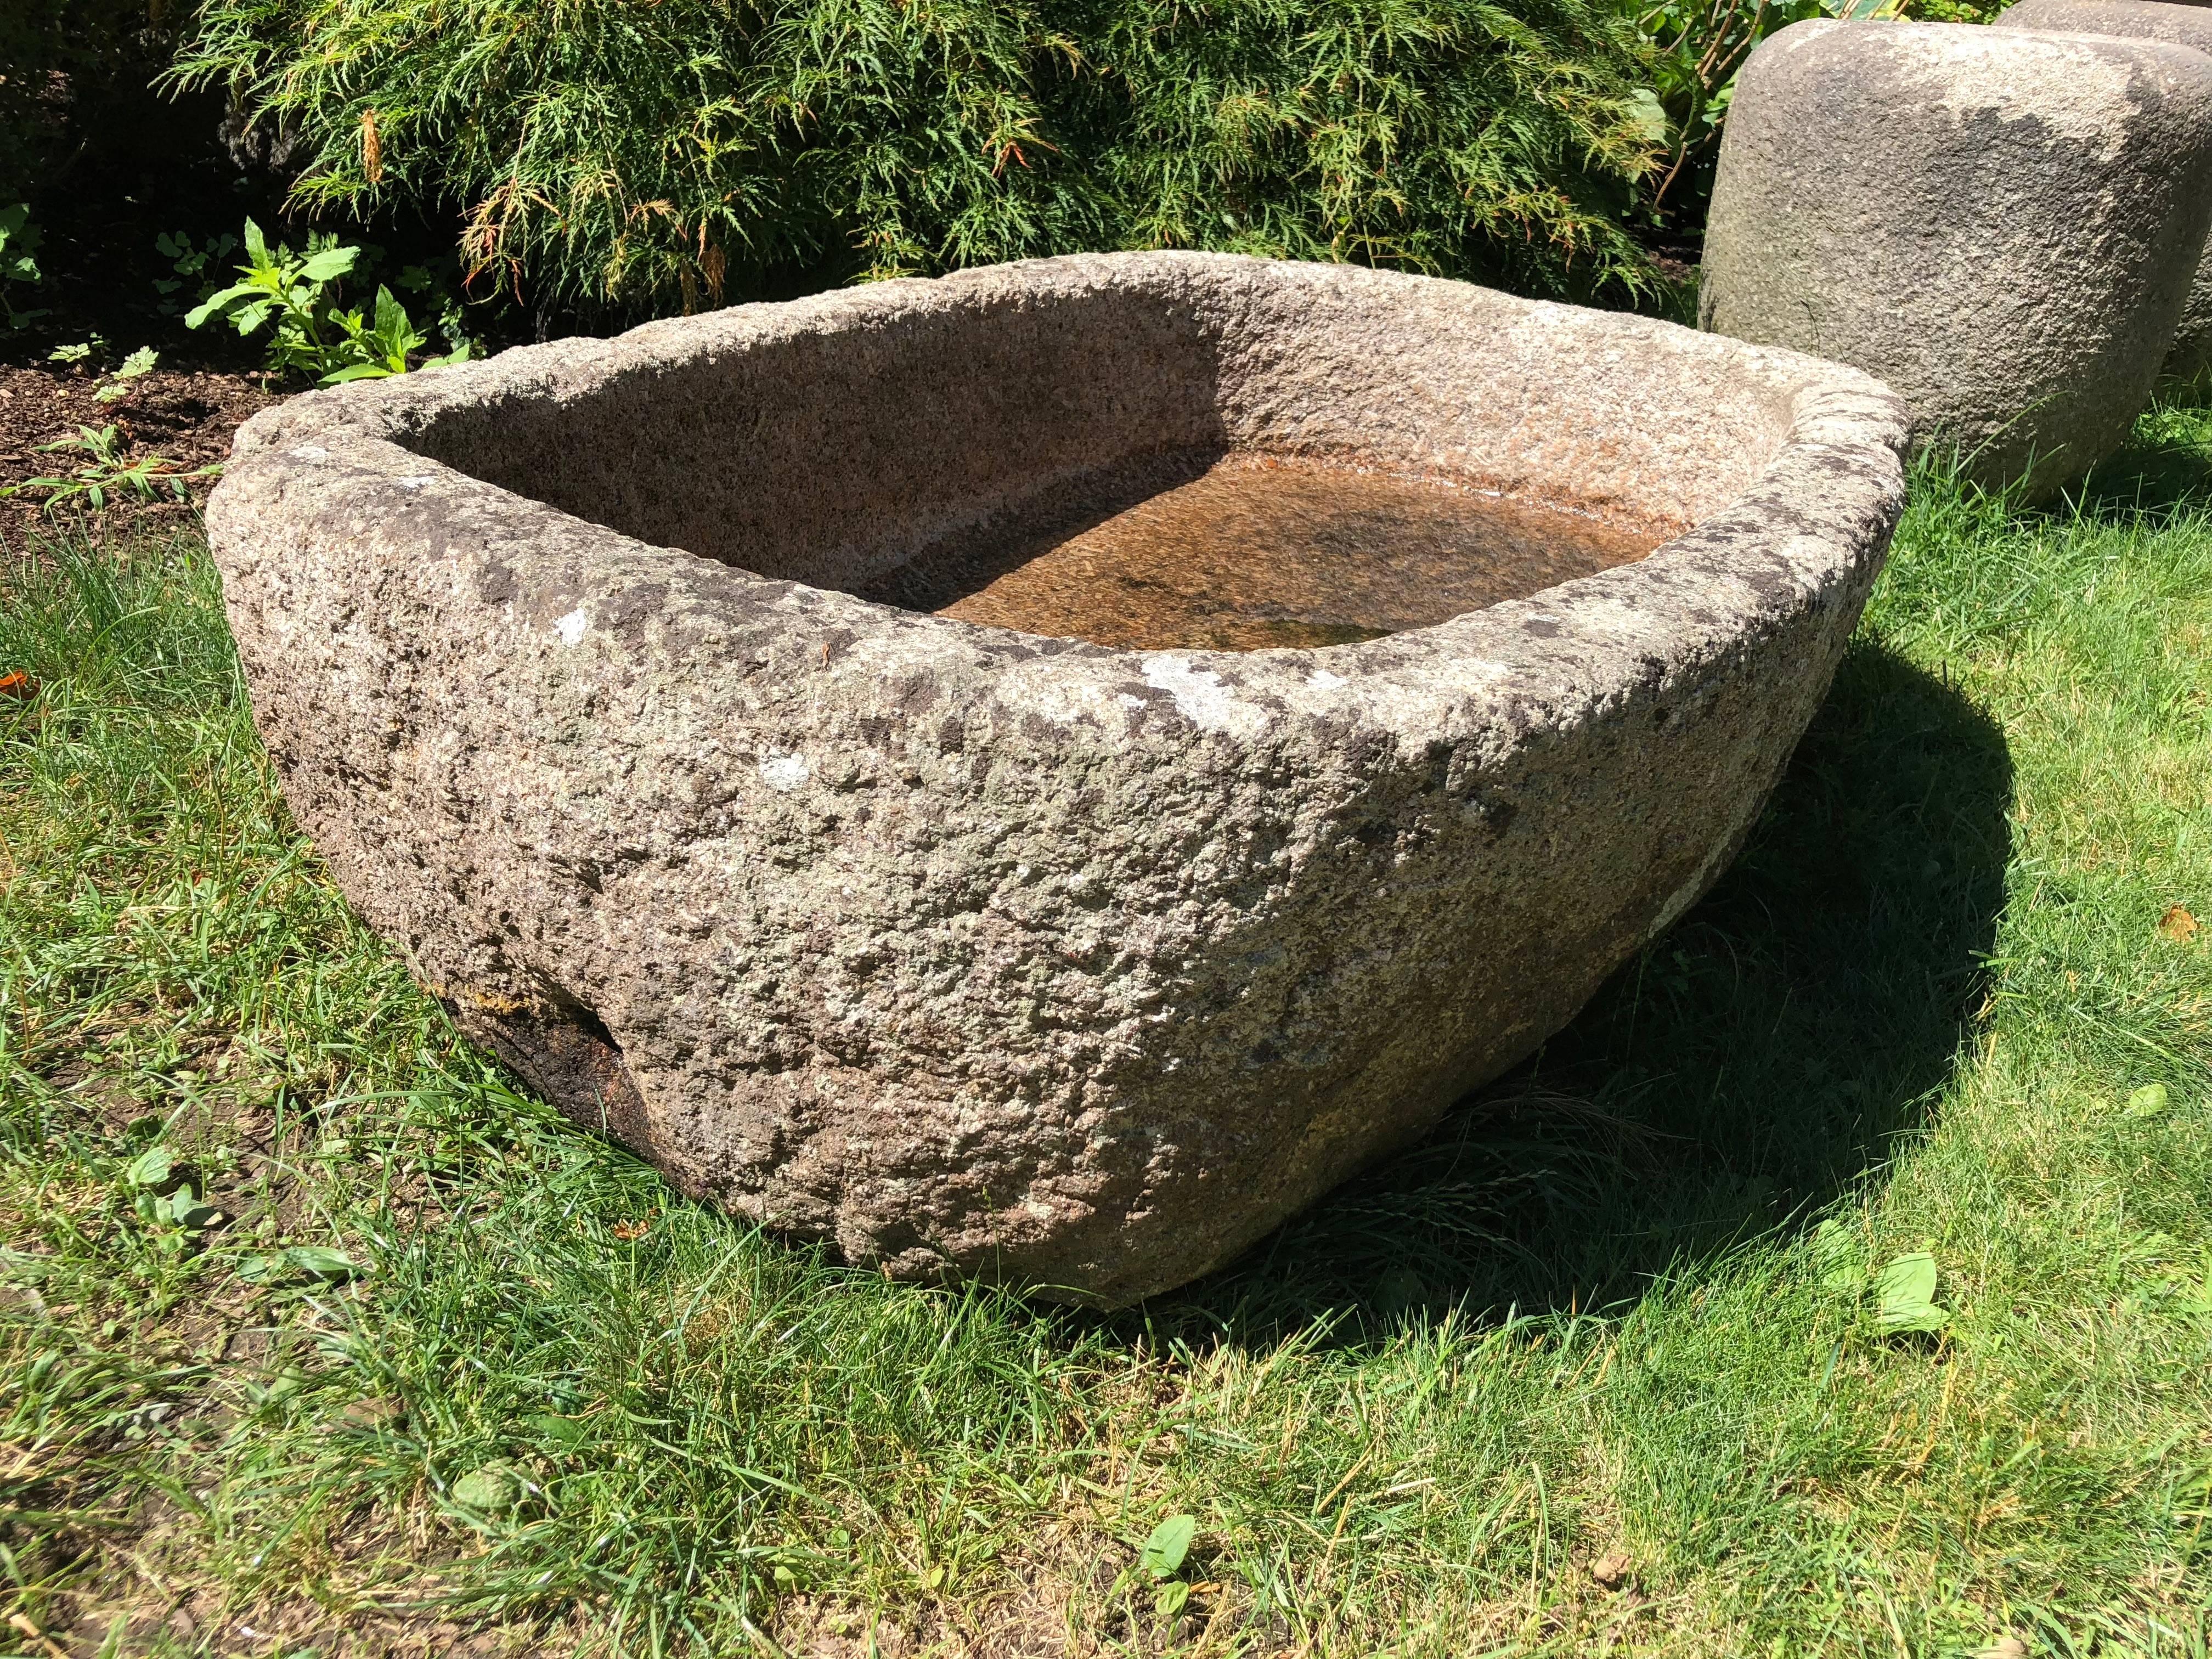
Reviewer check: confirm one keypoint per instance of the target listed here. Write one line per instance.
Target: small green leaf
(331, 262)
(358, 372)
(151, 1167)
(561, 1431)
(1647, 115)
(321, 1260)
(493, 1490)
(1163, 1552)
(1907, 1289)
(1173, 1597)
(2150, 1101)
(1840, 1257)
(182, 1209)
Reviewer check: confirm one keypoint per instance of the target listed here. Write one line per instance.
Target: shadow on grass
(1748, 1067)
(2165, 466)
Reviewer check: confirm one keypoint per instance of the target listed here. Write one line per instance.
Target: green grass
(1597, 1315)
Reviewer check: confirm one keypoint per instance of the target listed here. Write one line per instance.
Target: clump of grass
(1604, 1362)
(634, 158)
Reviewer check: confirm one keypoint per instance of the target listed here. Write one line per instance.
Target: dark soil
(186, 416)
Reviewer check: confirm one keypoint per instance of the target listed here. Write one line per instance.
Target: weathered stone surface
(2002, 225)
(983, 953)
(2191, 26)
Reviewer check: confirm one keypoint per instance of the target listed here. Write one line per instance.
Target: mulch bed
(186, 416)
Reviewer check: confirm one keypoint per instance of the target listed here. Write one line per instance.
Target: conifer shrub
(632, 156)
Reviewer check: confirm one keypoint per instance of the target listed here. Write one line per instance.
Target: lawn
(320, 1335)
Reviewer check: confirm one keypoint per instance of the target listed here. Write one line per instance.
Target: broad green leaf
(1907, 1279)
(1649, 114)
(2150, 1101)
(151, 1167)
(257, 246)
(1839, 1257)
(1163, 1552)
(1927, 1320)
(331, 263)
(493, 1488)
(1906, 1289)
(358, 372)
(185, 1211)
(321, 1260)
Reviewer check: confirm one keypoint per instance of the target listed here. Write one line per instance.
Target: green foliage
(2150, 1101)
(108, 471)
(1160, 1558)
(1954, 11)
(494, 1489)
(1905, 1296)
(189, 262)
(296, 296)
(1698, 46)
(135, 367)
(318, 1261)
(643, 157)
(19, 242)
(164, 1197)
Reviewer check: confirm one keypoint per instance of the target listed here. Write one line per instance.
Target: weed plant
(314, 1327)
(640, 157)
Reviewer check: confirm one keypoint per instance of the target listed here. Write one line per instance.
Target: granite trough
(1040, 774)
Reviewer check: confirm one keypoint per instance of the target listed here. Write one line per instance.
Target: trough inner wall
(831, 456)
(830, 451)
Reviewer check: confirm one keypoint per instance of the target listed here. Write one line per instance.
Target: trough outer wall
(979, 953)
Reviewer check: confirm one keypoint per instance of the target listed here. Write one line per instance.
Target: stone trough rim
(1836, 413)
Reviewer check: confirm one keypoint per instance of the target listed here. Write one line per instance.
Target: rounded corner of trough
(979, 952)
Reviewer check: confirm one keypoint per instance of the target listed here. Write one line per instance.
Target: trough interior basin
(1118, 465)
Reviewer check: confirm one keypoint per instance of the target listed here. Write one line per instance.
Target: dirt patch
(185, 416)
